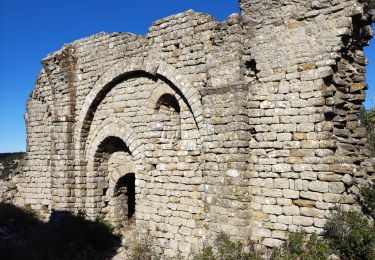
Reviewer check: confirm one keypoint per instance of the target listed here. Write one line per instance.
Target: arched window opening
(168, 103)
(106, 148)
(168, 115)
(113, 144)
(112, 159)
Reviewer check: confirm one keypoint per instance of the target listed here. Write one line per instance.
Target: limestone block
(336, 187)
(311, 212)
(316, 73)
(291, 211)
(270, 242)
(281, 168)
(311, 195)
(318, 186)
(302, 221)
(281, 183)
(291, 194)
(272, 209)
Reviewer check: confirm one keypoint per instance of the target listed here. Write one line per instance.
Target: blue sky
(30, 29)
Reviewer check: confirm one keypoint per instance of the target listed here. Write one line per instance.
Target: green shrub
(101, 219)
(299, 246)
(143, 251)
(368, 195)
(351, 234)
(225, 249)
(206, 254)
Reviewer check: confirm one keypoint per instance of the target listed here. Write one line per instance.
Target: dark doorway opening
(125, 190)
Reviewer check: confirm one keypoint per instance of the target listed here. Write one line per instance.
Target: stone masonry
(248, 126)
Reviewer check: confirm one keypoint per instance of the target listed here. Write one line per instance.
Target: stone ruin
(248, 126)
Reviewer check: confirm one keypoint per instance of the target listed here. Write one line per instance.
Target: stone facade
(249, 126)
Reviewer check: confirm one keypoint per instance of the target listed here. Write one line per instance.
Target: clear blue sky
(30, 29)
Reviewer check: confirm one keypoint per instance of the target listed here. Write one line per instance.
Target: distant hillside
(9, 161)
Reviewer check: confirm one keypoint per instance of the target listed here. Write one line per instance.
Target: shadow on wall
(65, 236)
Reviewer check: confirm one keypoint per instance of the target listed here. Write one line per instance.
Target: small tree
(300, 246)
(352, 233)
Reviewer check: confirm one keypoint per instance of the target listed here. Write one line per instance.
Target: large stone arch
(113, 127)
(127, 67)
(110, 128)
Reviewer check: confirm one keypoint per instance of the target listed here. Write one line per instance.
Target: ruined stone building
(248, 126)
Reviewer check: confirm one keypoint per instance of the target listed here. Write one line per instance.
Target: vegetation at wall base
(65, 236)
(347, 234)
(226, 249)
(143, 251)
(301, 246)
(351, 234)
(368, 198)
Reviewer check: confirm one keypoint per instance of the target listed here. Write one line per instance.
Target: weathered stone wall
(249, 126)
(307, 72)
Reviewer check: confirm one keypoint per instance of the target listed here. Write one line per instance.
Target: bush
(228, 250)
(143, 250)
(299, 246)
(368, 195)
(351, 234)
(206, 254)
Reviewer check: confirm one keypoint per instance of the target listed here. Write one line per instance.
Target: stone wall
(304, 102)
(248, 126)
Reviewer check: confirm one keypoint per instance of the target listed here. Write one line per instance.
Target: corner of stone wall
(224, 99)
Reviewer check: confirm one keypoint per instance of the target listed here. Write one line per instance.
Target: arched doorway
(156, 121)
(115, 176)
(123, 200)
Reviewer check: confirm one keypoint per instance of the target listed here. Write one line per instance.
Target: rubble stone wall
(307, 73)
(248, 126)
